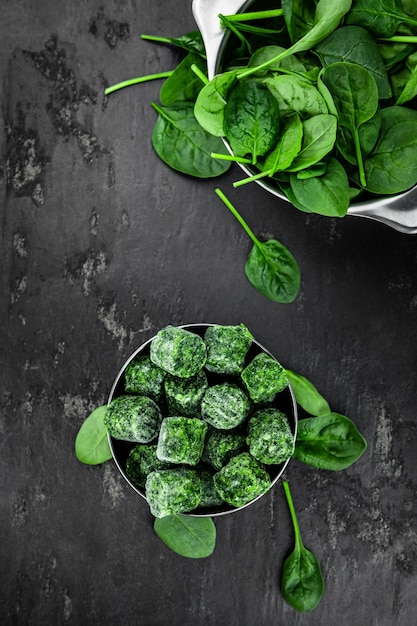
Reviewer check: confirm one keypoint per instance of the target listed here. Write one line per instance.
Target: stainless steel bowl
(398, 212)
(284, 401)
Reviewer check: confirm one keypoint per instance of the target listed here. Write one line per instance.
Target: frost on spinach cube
(181, 440)
(220, 446)
(173, 491)
(133, 418)
(225, 406)
(144, 378)
(242, 480)
(184, 395)
(178, 351)
(264, 377)
(227, 347)
(141, 461)
(270, 439)
(209, 495)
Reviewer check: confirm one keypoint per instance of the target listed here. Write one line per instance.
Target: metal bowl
(284, 401)
(398, 211)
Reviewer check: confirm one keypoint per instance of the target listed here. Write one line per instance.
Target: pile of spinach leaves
(320, 99)
(325, 440)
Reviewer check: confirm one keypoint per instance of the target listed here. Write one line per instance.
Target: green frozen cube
(270, 439)
(220, 446)
(242, 480)
(178, 351)
(141, 461)
(184, 395)
(264, 377)
(133, 418)
(173, 491)
(209, 495)
(144, 378)
(181, 440)
(225, 406)
(227, 347)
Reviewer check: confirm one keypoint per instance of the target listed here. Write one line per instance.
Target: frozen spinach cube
(225, 406)
(270, 439)
(227, 347)
(141, 461)
(209, 495)
(220, 446)
(173, 491)
(144, 378)
(242, 480)
(184, 395)
(133, 418)
(264, 377)
(181, 440)
(178, 351)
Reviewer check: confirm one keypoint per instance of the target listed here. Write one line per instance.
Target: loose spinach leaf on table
(192, 537)
(380, 17)
(302, 583)
(330, 442)
(306, 394)
(184, 145)
(91, 443)
(270, 266)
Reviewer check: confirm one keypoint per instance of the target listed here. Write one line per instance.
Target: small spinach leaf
(183, 84)
(184, 145)
(211, 103)
(330, 442)
(302, 583)
(319, 137)
(306, 395)
(91, 444)
(295, 94)
(288, 145)
(192, 42)
(192, 537)
(270, 267)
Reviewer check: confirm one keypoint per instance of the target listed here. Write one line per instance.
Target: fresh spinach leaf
(409, 90)
(380, 17)
(295, 94)
(251, 119)
(325, 194)
(290, 64)
(183, 84)
(319, 137)
(355, 95)
(353, 44)
(192, 42)
(368, 136)
(306, 395)
(392, 166)
(211, 103)
(299, 17)
(302, 583)
(330, 442)
(192, 537)
(91, 443)
(270, 266)
(184, 145)
(288, 145)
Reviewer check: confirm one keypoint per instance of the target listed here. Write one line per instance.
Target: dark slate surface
(102, 245)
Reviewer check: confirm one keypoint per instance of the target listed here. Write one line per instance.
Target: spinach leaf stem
(199, 73)
(298, 541)
(135, 81)
(254, 15)
(230, 157)
(237, 216)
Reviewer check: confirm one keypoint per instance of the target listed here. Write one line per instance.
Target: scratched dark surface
(102, 245)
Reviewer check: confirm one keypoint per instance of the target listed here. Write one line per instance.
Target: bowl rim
(209, 512)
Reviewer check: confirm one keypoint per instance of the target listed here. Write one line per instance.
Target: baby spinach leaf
(302, 583)
(211, 103)
(392, 165)
(368, 136)
(288, 64)
(270, 267)
(192, 537)
(327, 17)
(307, 395)
(91, 444)
(355, 96)
(299, 17)
(409, 90)
(330, 442)
(319, 136)
(251, 119)
(183, 84)
(288, 145)
(184, 145)
(380, 17)
(295, 94)
(192, 42)
(324, 194)
(353, 44)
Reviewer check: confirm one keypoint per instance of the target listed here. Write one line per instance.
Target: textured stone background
(102, 245)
